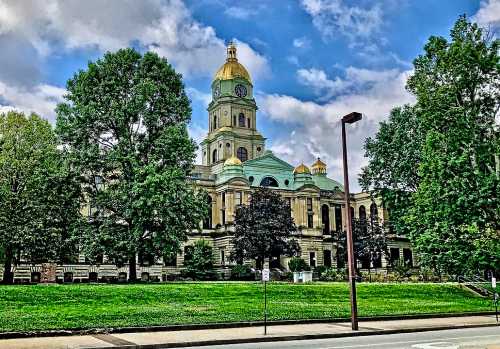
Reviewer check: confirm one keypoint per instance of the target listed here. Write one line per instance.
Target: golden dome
(233, 160)
(302, 169)
(319, 167)
(232, 69)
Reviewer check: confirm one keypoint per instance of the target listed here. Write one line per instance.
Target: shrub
(242, 273)
(198, 262)
(298, 264)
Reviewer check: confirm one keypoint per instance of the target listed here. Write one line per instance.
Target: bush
(298, 264)
(198, 262)
(242, 273)
(332, 274)
(402, 269)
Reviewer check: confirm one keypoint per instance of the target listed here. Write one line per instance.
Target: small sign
(265, 275)
(494, 282)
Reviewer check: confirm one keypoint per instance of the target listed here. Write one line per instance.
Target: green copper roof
(269, 165)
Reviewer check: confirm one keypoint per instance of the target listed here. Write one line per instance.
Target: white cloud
(240, 12)
(166, 27)
(333, 17)
(316, 127)
(41, 99)
(488, 14)
(302, 42)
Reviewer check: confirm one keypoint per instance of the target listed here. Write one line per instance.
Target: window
(327, 258)
(352, 214)
(214, 123)
(223, 217)
(312, 259)
(222, 257)
(214, 156)
(338, 218)
(309, 220)
(241, 120)
(269, 182)
(248, 122)
(394, 255)
(377, 260)
(223, 199)
(408, 257)
(238, 198)
(242, 154)
(325, 218)
(207, 222)
(309, 204)
(362, 213)
(234, 120)
(170, 260)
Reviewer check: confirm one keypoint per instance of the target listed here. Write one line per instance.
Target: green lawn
(44, 307)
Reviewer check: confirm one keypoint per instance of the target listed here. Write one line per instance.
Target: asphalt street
(472, 338)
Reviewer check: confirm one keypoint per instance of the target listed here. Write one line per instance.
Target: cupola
(232, 68)
(233, 161)
(319, 167)
(301, 169)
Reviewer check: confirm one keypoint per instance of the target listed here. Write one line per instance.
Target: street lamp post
(350, 119)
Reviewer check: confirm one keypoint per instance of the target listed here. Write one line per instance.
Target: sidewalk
(172, 339)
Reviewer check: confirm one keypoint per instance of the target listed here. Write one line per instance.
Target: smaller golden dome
(232, 68)
(319, 167)
(232, 161)
(302, 169)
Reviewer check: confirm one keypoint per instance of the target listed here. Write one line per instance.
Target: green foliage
(124, 123)
(402, 269)
(436, 164)
(264, 228)
(26, 308)
(369, 238)
(40, 196)
(198, 261)
(333, 274)
(242, 272)
(298, 264)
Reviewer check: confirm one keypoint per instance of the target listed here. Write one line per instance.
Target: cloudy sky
(311, 61)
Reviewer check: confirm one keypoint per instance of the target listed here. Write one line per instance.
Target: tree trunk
(8, 275)
(132, 269)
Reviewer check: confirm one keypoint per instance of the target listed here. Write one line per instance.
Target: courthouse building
(235, 162)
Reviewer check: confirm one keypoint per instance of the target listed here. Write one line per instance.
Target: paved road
(473, 338)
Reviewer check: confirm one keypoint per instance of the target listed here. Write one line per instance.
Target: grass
(48, 307)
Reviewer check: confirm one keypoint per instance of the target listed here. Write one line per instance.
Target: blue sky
(311, 60)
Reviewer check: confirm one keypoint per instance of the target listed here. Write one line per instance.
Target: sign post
(495, 299)
(265, 278)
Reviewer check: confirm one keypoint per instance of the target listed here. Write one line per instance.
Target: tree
(264, 228)
(198, 261)
(392, 171)
(437, 164)
(40, 198)
(124, 123)
(457, 85)
(369, 242)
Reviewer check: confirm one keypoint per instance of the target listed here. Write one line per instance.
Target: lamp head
(351, 118)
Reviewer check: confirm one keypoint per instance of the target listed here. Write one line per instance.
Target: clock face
(216, 92)
(240, 90)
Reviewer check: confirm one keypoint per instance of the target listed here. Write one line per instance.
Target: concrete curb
(220, 325)
(288, 338)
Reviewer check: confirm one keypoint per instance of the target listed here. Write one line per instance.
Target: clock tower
(232, 116)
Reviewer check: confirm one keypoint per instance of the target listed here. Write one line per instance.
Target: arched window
(269, 182)
(242, 154)
(362, 213)
(214, 123)
(373, 211)
(214, 156)
(207, 222)
(325, 217)
(241, 120)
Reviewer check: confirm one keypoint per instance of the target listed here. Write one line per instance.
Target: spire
(231, 52)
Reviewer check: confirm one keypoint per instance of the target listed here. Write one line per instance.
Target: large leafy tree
(440, 157)
(125, 125)
(394, 155)
(40, 197)
(264, 228)
(457, 85)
